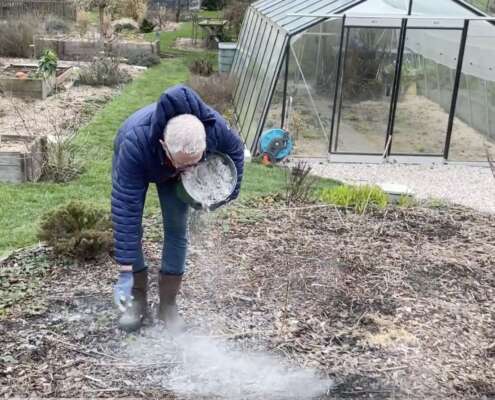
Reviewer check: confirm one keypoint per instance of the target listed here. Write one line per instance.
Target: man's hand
(122, 290)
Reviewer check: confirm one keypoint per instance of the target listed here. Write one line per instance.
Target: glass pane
(422, 116)
(295, 23)
(274, 115)
(367, 82)
(252, 70)
(474, 125)
(375, 7)
(254, 90)
(246, 66)
(446, 8)
(273, 65)
(242, 43)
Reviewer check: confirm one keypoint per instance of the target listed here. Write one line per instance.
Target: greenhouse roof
(281, 12)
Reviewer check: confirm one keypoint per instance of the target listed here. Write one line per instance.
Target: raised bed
(30, 87)
(71, 49)
(21, 158)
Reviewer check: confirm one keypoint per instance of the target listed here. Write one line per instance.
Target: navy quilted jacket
(139, 159)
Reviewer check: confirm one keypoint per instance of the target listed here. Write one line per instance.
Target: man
(155, 145)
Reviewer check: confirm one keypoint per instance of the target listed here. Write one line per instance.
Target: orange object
(21, 75)
(266, 159)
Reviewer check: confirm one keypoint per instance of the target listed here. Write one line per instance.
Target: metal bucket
(185, 187)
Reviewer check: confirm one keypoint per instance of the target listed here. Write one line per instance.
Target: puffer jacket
(139, 159)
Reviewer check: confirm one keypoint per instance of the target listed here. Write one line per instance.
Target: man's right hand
(122, 290)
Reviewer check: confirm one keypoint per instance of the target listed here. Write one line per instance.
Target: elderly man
(155, 145)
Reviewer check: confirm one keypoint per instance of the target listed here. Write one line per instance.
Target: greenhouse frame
(368, 78)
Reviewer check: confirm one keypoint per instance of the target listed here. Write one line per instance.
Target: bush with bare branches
(215, 90)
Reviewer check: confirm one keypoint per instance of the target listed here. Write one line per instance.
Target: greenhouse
(367, 79)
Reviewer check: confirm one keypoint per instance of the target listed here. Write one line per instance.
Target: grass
(24, 204)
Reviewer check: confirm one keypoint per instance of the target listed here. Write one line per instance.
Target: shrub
(234, 13)
(145, 59)
(17, 35)
(299, 184)
(146, 26)
(135, 9)
(54, 24)
(104, 71)
(77, 230)
(83, 22)
(212, 5)
(357, 197)
(215, 90)
(47, 63)
(201, 67)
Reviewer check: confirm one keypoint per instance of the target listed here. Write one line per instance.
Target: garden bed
(21, 158)
(19, 81)
(393, 304)
(74, 49)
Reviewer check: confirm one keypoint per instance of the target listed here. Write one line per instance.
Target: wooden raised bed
(21, 158)
(36, 88)
(70, 49)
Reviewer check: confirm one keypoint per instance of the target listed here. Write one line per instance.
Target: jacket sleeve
(229, 142)
(129, 188)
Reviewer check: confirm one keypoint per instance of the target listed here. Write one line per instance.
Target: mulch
(395, 303)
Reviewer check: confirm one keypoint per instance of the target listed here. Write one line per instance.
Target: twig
(387, 369)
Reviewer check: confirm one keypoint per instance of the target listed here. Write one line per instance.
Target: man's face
(181, 160)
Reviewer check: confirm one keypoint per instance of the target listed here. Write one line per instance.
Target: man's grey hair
(185, 133)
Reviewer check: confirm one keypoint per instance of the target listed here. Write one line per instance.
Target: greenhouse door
(365, 90)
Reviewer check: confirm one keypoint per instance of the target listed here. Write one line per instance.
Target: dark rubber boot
(168, 311)
(133, 316)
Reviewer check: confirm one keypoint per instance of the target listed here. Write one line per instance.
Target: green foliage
(201, 67)
(47, 63)
(407, 202)
(104, 71)
(54, 24)
(142, 58)
(77, 230)
(359, 198)
(212, 5)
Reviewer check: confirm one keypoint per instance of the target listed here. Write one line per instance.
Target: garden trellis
(369, 78)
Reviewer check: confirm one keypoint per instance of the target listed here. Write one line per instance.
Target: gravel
(470, 186)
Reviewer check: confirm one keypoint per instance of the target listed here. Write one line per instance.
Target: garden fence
(17, 8)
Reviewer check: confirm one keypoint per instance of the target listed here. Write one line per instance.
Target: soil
(395, 303)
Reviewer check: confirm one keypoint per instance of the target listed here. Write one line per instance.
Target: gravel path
(466, 185)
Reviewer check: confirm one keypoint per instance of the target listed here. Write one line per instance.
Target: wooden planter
(70, 49)
(25, 163)
(35, 88)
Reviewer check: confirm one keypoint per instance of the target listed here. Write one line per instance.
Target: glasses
(174, 163)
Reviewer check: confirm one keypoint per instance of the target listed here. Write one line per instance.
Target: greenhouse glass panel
(251, 53)
(473, 130)
(245, 48)
(267, 86)
(376, 7)
(274, 115)
(313, 65)
(254, 89)
(240, 53)
(367, 82)
(296, 24)
(422, 115)
(444, 8)
(252, 71)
